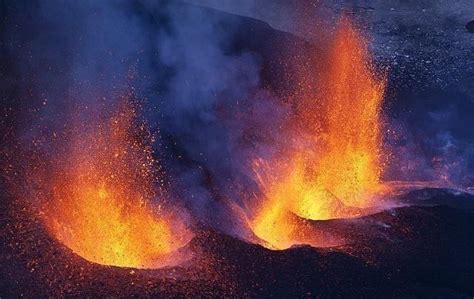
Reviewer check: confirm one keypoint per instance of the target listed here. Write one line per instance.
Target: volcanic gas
(334, 169)
(102, 198)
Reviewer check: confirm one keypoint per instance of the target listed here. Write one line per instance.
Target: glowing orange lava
(335, 171)
(100, 196)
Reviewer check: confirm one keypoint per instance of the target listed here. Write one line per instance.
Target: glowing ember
(337, 171)
(99, 204)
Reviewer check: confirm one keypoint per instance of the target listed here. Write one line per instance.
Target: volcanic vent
(334, 169)
(101, 196)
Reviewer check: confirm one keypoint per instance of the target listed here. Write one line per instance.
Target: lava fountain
(98, 198)
(335, 171)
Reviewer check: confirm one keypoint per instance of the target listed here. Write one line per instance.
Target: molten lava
(333, 172)
(101, 191)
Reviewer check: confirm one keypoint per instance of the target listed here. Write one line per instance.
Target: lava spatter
(336, 171)
(101, 197)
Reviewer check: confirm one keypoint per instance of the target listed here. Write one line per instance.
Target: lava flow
(99, 195)
(335, 171)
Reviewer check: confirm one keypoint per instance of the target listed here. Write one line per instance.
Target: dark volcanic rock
(470, 26)
(409, 251)
(437, 196)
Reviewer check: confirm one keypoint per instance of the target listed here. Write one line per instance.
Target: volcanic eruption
(253, 149)
(335, 171)
(101, 198)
